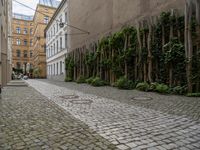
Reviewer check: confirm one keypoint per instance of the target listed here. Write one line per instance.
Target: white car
(25, 77)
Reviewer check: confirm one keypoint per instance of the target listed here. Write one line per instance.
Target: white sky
(17, 8)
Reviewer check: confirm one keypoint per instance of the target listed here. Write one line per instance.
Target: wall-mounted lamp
(61, 25)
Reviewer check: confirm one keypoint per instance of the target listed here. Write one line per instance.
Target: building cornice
(55, 15)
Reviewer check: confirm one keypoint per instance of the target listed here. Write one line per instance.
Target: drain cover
(69, 96)
(142, 98)
(81, 101)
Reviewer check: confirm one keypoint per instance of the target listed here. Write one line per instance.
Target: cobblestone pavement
(172, 104)
(29, 121)
(126, 126)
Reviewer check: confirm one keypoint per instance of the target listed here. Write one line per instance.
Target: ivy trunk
(125, 62)
(188, 44)
(171, 66)
(149, 53)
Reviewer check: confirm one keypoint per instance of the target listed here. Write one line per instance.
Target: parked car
(25, 77)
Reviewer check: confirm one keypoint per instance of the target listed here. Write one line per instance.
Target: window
(31, 54)
(31, 42)
(18, 65)
(47, 52)
(57, 45)
(25, 42)
(54, 69)
(54, 30)
(25, 30)
(25, 23)
(25, 54)
(60, 67)
(60, 43)
(31, 24)
(51, 69)
(66, 17)
(51, 50)
(46, 19)
(57, 68)
(18, 30)
(66, 40)
(54, 48)
(18, 41)
(18, 53)
(31, 31)
(57, 27)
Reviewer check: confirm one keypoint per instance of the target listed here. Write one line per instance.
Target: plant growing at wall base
(68, 79)
(89, 80)
(97, 82)
(179, 90)
(193, 95)
(81, 79)
(124, 83)
(144, 86)
(162, 88)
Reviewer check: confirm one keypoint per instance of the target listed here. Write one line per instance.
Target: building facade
(102, 17)
(5, 42)
(22, 47)
(56, 43)
(44, 11)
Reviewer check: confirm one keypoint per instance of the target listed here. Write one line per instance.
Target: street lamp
(61, 25)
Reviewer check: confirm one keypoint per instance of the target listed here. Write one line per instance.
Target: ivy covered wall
(164, 49)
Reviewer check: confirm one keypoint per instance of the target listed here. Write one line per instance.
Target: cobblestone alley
(59, 117)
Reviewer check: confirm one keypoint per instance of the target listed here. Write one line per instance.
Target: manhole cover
(81, 101)
(142, 98)
(69, 96)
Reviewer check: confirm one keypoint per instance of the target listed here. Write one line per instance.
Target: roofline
(42, 6)
(22, 20)
(55, 14)
(21, 15)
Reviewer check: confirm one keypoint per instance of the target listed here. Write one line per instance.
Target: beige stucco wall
(135, 10)
(100, 17)
(5, 65)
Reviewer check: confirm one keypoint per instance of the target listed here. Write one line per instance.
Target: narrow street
(28, 120)
(49, 116)
(100, 75)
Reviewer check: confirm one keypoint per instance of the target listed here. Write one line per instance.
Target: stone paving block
(123, 147)
(131, 145)
(28, 120)
(125, 122)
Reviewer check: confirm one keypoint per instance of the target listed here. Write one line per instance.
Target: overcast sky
(17, 8)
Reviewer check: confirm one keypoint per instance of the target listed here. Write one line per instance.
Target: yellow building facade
(41, 18)
(22, 43)
(29, 44)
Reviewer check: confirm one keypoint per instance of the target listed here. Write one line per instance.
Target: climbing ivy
(150, 53)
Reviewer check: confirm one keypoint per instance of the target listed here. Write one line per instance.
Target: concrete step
(19, 83)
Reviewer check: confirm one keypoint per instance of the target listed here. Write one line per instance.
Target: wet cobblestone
(124, 125)
(28, 121)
